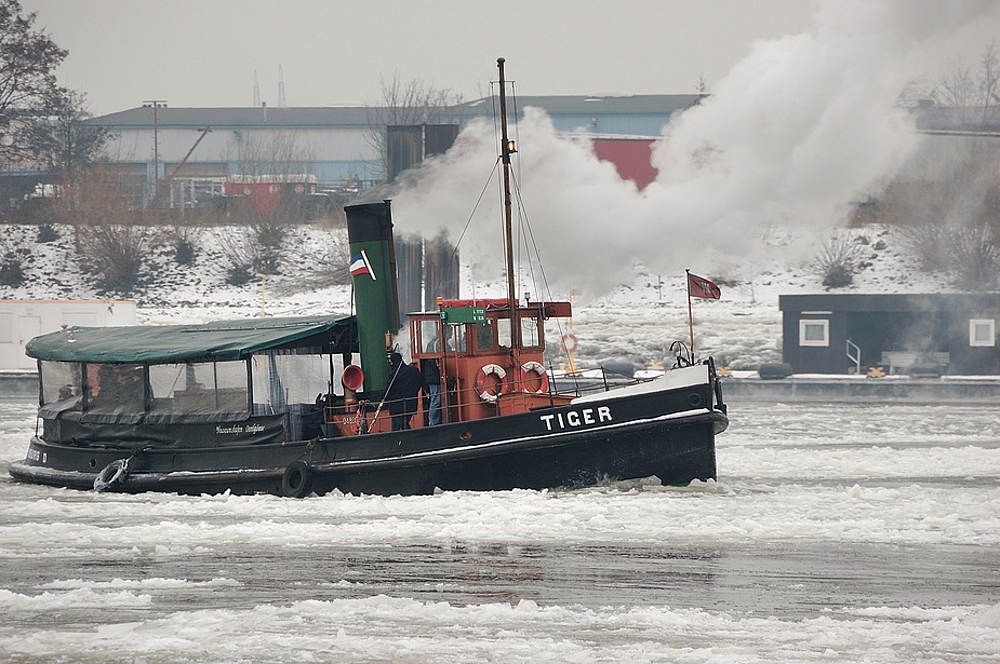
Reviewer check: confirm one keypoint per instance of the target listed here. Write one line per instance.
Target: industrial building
(193, 152)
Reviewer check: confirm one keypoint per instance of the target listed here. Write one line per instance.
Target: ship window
(116, 388)
(282, 380)
(503, 332)
(198, 387)
(484, 336)
(814, 332)
(61, 384)
(454, 338)
(429, 341)
(982, 332)
(530, 337)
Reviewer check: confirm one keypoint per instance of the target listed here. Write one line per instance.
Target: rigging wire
(526, 237)
(468, 222)
(530, 243)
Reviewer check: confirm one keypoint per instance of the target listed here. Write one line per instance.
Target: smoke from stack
(795, 132)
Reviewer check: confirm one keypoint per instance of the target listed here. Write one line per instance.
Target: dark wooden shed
(938, 333)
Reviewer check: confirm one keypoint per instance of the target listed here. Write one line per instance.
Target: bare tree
(973, 93)
(29, 92)
(66, 142)
(275, 171)
(838, 260)
(407, 103)
(112, 246)
(946, 205)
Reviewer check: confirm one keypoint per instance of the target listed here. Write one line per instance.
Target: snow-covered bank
(636, 322)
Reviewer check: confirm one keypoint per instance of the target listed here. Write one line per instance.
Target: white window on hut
(814, 332)
(503, 332)
(982, 332)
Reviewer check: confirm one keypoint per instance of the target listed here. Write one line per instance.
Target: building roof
(896, 302)
(339, 116)
(237, 117)
(589, 104)
(162, 344)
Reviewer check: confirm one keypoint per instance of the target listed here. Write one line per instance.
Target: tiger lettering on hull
(576, 418)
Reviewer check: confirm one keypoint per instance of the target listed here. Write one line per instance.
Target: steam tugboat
(233, 405)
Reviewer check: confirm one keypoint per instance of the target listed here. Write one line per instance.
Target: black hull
(656, 433)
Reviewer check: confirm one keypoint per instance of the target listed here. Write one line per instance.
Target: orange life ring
(527, 368)
(569, 343)
(486, 387)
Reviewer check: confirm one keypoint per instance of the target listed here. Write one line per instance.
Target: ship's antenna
(256, 90)
(506, 148)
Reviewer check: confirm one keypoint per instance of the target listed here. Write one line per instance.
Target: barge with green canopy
(298, 405)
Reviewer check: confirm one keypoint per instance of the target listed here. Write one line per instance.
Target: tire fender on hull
(297, 480)
(112, 477)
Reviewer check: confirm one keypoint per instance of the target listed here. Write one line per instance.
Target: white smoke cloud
(797, 130)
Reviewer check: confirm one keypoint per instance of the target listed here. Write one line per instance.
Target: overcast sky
(198, 53)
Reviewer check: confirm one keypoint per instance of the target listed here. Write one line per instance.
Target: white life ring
(569, 343)
(484, 385)
(527, 368)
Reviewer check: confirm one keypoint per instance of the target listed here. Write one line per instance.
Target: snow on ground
(635, 322)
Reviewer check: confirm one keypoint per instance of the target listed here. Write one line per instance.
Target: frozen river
(835, 533)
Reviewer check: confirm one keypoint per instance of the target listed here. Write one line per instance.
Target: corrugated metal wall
(425, 271)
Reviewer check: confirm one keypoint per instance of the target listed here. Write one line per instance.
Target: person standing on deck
(432, 377)
(405, 383)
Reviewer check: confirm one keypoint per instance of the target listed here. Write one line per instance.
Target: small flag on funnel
(702, 287)
(360, 265)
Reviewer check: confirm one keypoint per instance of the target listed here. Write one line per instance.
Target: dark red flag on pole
(702, 287)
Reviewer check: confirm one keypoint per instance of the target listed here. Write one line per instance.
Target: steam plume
(797, 130)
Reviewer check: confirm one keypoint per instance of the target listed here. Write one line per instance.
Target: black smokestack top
(369, 222)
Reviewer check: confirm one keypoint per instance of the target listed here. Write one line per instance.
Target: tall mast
(506, 150)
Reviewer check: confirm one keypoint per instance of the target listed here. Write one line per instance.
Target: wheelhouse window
(503, 332)
(484, 336)
(62, 384)
(118, 389)
(814, 332)
(454, 338)
(286, 380)
(982, 332)
(530, 334)
(198, 387)
(428, 336)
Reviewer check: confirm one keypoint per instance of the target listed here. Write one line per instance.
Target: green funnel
(373, 273)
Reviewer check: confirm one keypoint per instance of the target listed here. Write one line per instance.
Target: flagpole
(687, 279)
